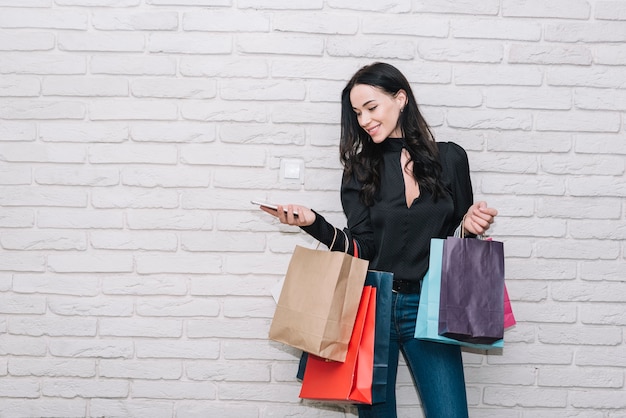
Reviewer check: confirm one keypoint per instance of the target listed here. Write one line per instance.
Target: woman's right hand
(305, 215)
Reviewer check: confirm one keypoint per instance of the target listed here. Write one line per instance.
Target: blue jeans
(436, 368)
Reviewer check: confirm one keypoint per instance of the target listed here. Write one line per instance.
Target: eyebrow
(365, 104)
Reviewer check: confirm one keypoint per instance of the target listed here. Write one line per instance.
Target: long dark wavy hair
(361, 156)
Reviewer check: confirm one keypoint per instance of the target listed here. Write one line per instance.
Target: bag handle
(331, 244)
(460, 231)
(462, 226)
(334, 239)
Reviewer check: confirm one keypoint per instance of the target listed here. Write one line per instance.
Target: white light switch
(291, 170)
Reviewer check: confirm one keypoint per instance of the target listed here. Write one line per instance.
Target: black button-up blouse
(392, 235)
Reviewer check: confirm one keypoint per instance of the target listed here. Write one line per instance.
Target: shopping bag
(319, 301)
(471, 304)
(509, 317)
(382, 282)
(351, 380)
(427, 324)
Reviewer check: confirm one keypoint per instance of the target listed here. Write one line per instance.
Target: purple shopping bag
(427, 324)
(471, 306)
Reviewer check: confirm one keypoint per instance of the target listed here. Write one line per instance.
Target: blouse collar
(393, 144)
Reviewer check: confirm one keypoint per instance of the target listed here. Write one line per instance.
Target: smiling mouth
(372, 129)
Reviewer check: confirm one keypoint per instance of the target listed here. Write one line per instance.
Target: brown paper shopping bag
(317, 306)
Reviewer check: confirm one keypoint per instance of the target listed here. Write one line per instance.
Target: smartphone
(271, 206)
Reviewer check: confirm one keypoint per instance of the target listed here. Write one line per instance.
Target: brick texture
(135, 277)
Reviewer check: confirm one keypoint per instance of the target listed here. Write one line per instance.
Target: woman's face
(377, 111)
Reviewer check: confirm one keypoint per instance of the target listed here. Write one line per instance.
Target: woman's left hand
(479, 218)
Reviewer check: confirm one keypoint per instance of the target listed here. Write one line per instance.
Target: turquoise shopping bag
(427, 325)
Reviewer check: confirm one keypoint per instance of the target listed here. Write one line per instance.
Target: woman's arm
(359, 229)
(313, 224)
(475, 217)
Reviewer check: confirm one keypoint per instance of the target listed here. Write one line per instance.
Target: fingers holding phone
(288, 214)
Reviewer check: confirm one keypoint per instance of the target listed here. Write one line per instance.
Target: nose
(364, 119)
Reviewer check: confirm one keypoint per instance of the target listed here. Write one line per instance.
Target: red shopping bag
(351, 380)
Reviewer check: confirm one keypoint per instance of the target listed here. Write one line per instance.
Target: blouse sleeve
(358, 231)
(457, 172)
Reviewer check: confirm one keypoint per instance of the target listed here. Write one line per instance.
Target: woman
(400, 189)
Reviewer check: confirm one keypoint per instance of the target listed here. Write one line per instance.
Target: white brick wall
(135, 277)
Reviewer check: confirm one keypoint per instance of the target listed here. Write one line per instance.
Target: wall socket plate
(292, 170)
